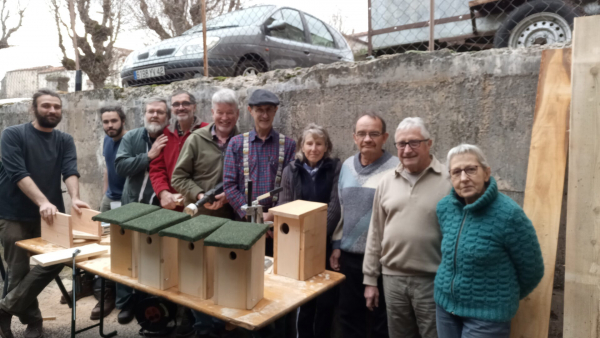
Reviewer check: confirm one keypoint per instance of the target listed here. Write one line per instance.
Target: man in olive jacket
(200, 168)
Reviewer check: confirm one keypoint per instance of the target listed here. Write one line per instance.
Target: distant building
(23, 83)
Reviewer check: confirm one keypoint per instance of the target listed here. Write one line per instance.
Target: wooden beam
(59, 232)
(65, 256)
(582, 275)
(545, 184)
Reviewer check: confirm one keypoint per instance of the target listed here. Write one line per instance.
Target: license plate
(149, 72)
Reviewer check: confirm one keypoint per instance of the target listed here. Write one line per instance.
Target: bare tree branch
(6, 33)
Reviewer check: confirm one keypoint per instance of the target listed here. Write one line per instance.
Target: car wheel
(249, 67)
(538, 22)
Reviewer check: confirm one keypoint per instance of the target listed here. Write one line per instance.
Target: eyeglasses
(414, 144)
(470, 171)
(372, 134)
(184, 104)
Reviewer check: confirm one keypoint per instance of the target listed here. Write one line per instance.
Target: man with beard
(113, 123)
(34, 157)
(137, 149)
(161, 168)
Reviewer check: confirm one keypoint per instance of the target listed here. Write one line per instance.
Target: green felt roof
(236, 235)
(194, 229)
(156, 221)
(125, 213)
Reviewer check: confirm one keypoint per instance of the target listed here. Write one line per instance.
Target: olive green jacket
(200, 168)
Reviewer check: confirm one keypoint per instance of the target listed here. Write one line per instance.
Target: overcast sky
(36, 42)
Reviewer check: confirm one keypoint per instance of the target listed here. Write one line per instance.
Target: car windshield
(243, 17)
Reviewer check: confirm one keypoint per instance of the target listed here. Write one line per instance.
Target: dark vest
(317, 190)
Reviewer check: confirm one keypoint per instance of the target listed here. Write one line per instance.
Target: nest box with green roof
(300, 239)
(239, 264)
(123, 245)
(157, 266)
(196, 261)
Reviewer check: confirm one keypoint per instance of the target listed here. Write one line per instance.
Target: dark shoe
(34, 330)
(87, 289)
(109, 305)
(5, 319)
(126, 315)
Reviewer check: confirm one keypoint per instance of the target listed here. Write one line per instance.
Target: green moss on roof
(154, 222)
(236, 235)
(125, 213)
(194, 229)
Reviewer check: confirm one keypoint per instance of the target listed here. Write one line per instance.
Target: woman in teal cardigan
(491, 257)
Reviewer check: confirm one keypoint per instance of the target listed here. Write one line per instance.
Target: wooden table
(282, 294)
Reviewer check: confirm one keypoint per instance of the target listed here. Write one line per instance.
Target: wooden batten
(157, 261)
(313, 245)
(121, 251)
(83, 223)
(256, 269)
(191, 273)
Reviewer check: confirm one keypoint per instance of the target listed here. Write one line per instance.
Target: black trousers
(355, 318)
(315, 318)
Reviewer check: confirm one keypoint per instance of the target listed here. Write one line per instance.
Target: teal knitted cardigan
(492, 263)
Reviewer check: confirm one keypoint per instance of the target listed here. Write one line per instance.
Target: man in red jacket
(183, 106)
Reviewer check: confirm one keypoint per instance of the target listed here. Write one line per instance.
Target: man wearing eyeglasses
(183, 105)
(359, 177)
(404, 237)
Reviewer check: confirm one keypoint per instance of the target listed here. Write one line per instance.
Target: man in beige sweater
(404, 236)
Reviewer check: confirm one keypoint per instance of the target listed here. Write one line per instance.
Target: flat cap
(261, 96)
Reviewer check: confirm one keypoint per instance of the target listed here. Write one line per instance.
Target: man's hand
(157, 147)
(47, 211)
(372, 297)
(168, 200)
(334, 260)
(200, 196)
(78, 204)
(220, 201)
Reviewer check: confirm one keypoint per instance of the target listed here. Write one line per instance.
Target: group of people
(428, 249)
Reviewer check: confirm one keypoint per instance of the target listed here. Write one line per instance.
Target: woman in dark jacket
(313, 176)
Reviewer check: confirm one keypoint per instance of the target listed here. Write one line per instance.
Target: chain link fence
(269, 37)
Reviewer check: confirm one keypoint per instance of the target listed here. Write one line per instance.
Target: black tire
(539, 6)
(245, 64)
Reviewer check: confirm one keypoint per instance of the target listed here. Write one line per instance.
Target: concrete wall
(486, 98)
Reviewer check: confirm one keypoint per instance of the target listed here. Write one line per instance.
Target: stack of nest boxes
(196, 261)
(165, 248)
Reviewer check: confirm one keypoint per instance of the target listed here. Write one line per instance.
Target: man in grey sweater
(404, 235)
(359, 177)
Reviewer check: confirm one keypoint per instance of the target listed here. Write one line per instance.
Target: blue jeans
(451, 326)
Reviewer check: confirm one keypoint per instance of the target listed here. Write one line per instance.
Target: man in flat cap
(268, 152)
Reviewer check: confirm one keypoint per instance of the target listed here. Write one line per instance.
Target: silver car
(247, 41)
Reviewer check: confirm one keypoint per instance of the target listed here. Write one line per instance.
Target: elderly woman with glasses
(313, 176)
(491, 257)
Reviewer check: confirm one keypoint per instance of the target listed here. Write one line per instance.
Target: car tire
(247, 67)
(557, 13)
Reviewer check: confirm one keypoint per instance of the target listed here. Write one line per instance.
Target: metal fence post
(204, 37)
(369, 30)
(431, 25)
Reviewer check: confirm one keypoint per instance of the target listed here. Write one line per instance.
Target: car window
(239, 18)
(294, 30)
(319, 33)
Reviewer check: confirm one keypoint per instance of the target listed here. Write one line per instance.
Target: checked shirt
(263, 161)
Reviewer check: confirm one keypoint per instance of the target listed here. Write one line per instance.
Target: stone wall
(485, 98)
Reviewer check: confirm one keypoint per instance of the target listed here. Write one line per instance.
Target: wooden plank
(297, 209)
(149, 260)
(231, 272)
(313, 247)
(475, 3)
(84, 235)
(256, 274)
(275, 240)
(288, 247)
(191, 268)
(83, 222)
(582, 275)
(169, 270)
(59, 232)
(545, 184)
(281, 294)
(209, 274)
(66, 255)
(120, 250)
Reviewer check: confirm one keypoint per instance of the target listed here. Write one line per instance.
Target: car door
(288, 47)
(323, 48)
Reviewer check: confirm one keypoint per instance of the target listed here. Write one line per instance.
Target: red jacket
(162, 167)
